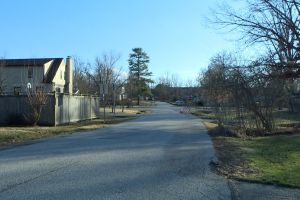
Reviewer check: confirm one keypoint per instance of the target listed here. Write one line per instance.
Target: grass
(272, 159)
(204, 114)
(277, 159)
(210, 125)
(16, 135)
(285, 117)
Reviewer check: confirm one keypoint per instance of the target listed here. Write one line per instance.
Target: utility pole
(104, 108)
(114, 99)
(122, 97)
(103, 91)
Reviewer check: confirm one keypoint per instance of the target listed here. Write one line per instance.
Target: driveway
(163, 155)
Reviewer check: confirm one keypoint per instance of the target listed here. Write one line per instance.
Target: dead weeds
(230, 153)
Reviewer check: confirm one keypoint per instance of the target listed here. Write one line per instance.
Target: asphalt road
(163, 155)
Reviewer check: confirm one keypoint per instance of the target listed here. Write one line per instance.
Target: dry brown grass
(16, 135)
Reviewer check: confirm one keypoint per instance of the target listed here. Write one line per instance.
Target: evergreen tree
(139, 72)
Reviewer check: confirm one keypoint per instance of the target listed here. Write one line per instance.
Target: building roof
(38, 62)
(25, 62)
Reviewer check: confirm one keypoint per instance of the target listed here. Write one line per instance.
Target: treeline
(105, 78)
(170, 88)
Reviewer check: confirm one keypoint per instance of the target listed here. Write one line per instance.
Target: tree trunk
(122, 103)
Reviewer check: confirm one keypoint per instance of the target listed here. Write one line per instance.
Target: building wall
(59, 109)
(18, 77)
(59, 78)
(47, 66)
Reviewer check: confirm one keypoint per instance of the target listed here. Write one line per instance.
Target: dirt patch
(231, 161)
(220, 132)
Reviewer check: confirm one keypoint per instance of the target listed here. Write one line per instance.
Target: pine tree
(138, 69)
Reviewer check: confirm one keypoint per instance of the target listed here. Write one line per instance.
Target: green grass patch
(276, 158)
(273, 159)
(285, 117)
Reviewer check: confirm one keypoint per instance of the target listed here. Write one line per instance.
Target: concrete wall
(59, 109)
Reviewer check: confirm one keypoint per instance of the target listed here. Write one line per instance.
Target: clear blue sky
(172, 32)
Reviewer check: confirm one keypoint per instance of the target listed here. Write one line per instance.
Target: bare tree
(273, 24)
(258, 94)
(167, 88)
(82, 83)
(163, 90)
(106, 76)
(215, 86)
(248, 89)
(36, 100)
(176, 84)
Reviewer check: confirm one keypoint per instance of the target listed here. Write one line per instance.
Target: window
(17, 90)
(30, 72)
(58, 90)
(61, 74)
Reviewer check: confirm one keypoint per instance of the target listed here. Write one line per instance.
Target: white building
(18, 76)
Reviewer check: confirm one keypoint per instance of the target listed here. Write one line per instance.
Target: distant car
(179, 103)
